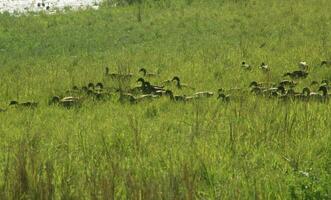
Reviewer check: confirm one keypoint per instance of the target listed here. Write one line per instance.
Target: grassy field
(249, 148)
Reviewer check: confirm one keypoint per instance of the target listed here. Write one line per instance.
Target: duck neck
(178, 83)
(325, 92)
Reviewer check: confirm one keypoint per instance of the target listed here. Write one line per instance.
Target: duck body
(148, 88)
(118, 75)
(303, 65)
(325, 95)
(175, 97)
(297, 74)
(147, 74)
(326, 62)
(264, 67)
(223, 97)
(288, 83)
(261, 84)
(67, 102)
(28, 104)
(203, 94)
(246, 66)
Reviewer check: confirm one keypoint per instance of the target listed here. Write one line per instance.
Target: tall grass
(247, 148)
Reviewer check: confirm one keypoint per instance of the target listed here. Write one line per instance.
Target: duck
(306, 91)
(303, 65)
(324, 90)
(288, 83)
(262, 84)
(308, 95)
(147, 88)
(192, 98)
(99, 86)
(117, 75)
(147, 74)
(264, 67)
(90, 86)
(269, 92)
(290, 94)
(255, 84)
(175, 97)
(245, 66)
(142, 81)
(297, 74)
(326, 62)
(223, 97)
(67, 102)
(28, 104)
(180, 85)
(274, 91)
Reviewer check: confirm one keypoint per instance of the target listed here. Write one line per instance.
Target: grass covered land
(253, 148)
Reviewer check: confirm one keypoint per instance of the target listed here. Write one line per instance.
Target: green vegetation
(249, 148)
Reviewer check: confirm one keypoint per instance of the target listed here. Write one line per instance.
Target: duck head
(90, 92)
(99, 85)
(253, 84)
(75, 87)
(90, 86)
(176, 78)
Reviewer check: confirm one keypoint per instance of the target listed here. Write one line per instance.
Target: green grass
(250, 149)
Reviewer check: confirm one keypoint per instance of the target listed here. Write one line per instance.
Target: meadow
(248, 148)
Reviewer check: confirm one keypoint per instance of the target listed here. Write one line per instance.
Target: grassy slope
(204, 150)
